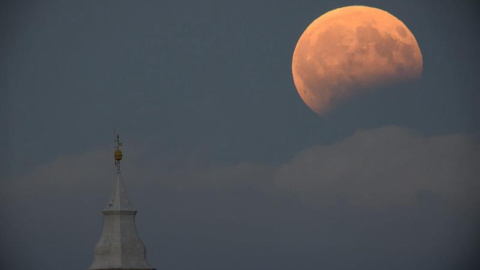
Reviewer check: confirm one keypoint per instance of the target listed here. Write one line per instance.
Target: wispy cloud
(384, 166)
(379, 166)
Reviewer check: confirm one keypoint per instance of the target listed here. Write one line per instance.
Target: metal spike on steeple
(118, 154)
(119, 199)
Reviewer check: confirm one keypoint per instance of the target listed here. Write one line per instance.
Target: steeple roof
(119, 247)
(119, 199)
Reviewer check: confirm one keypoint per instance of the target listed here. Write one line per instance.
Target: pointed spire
(119, 200)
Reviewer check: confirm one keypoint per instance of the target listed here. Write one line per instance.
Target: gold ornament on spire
(118, 153)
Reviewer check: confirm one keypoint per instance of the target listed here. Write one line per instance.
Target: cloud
(66, 174)
(389, 165)
(398, 192)
(91, 174)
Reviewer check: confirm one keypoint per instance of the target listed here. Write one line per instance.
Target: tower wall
(119, 246)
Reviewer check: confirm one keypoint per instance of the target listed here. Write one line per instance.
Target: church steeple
(119, 247)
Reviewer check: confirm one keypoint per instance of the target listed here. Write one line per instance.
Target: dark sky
(227, 166)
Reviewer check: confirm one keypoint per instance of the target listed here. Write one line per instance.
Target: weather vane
(118, 153)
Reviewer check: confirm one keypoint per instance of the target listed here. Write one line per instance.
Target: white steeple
(119, 200)
(119, 247)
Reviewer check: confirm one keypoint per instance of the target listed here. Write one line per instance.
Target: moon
(353, 50)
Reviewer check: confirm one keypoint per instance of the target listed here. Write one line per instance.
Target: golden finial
(118, 153)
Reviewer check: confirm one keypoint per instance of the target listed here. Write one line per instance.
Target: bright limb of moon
(352, 50)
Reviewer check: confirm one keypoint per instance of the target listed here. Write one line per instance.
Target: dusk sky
(226, 165)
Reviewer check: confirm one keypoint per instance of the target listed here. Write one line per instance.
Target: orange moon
(353, 50)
